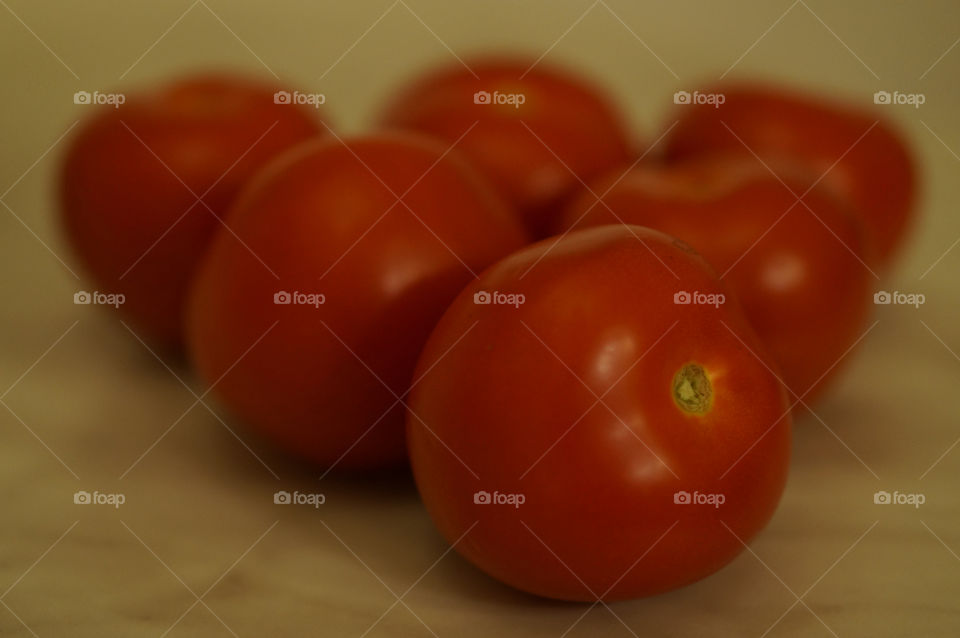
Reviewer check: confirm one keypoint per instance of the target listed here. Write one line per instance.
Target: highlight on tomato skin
(803, 268)
(307, 318)
(855, 149)
(144, 183)
(594, 418)
(533, 129)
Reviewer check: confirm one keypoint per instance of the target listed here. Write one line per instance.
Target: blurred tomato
(308, 317)
(580, 435)
(801, 269)
(534, 132)
(133, 174)
(858, 154)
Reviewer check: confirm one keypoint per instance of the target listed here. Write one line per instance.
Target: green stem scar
(692, 391)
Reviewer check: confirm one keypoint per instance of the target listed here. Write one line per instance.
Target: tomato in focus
(577, 434)
(802, 270)
(307, 318)
(132, 177)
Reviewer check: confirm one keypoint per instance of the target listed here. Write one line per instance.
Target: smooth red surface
(325, 220)
(132, 175)
(566, 129)
(876, 174)
(507, 401)
(802, 270)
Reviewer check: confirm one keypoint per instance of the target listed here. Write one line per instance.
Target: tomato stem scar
(692, 390)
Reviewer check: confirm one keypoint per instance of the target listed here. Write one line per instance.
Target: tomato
(801, 269)
(132, 176)
(858, 154)
(534, 132)
(307, 319)
(579, 435)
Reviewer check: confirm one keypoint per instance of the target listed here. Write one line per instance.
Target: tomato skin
(876, 174)
(495, 410)
(326, 225)
(802, 271)
(579, 130)
(135, 227)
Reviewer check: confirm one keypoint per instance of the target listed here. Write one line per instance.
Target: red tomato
(800, 269)
(876, 174)
(533, 132)
(567, 409)
(132, 176)
(307, 319)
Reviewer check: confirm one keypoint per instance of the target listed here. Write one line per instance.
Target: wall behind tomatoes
(85, 406)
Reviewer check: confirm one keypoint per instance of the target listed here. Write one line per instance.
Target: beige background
(87, 403)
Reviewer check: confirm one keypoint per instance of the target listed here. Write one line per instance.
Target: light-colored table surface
(199, 548)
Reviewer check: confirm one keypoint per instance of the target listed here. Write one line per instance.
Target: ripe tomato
(132, 175)
(801, 269)
(578, 430)
(307, 318)
(875, 173)
(525, 129)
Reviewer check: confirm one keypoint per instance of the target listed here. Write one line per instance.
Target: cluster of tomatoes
(588, 355)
